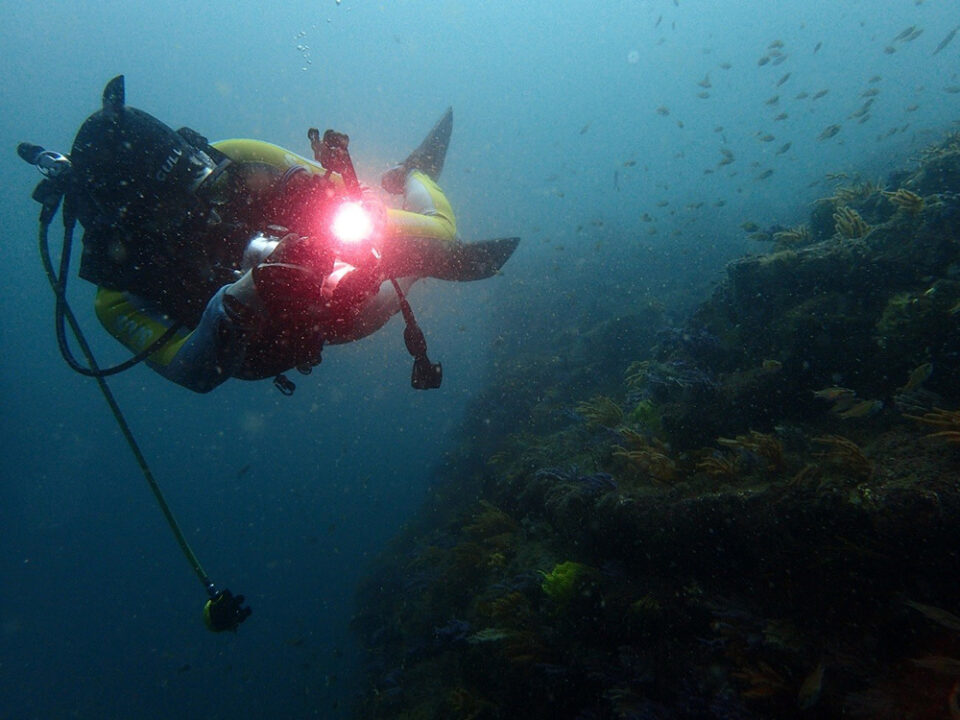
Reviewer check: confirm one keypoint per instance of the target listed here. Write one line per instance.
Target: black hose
(59, 285)
(64, 313)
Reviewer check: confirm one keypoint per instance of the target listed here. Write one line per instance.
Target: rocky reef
(754, 513)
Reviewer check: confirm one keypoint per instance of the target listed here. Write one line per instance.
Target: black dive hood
(132, 166)
(135, 177)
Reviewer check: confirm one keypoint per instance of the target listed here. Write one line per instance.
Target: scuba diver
(242, 259)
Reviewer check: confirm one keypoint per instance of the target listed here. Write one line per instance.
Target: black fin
(459, 262)
(114, 96)
(428, 158)
(481, 259)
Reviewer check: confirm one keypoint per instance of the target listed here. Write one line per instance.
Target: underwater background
(491, 549)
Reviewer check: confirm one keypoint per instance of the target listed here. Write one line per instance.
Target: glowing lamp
(352, 224)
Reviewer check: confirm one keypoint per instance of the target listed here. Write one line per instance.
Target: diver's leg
(199, 360)
(426, 211)
(421, 237)
(423, 196)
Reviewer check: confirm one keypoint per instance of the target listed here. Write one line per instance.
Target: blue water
(557, 139)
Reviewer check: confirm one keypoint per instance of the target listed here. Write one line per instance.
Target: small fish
(772, 101)
(942, 617)
(912, 108)
(819, 94)
(802, 95)
(889, 50)
(872, 92)
(782, 80)
(864, 408)
(874, 79)
(243, 471)
(725, 66)
(775, 45)
(781, 116)
(663, 110)
(914, 35)
(657, 23)
(783, 148)
(939, 663)
(703, 95)
(778, 59)
(947, 40)
(905, 32)
(765, 174)
(749, 226)
(764, 60)
(766, 138)
(952, 89)
(817, 47)
(705, 83)
(629, 163)
(663, 203)
(810, 689)
(771, 366)
(832, 393)
(918, 376)
(583, 130)
(844, 403)
(829, 132)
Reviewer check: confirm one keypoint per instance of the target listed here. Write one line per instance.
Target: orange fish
(832, 393)
(865, 408)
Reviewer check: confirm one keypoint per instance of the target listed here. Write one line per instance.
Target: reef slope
(754, 515)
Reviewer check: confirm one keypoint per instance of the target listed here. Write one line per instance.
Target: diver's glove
(291, 278)
(224, 611)
(241, 301)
